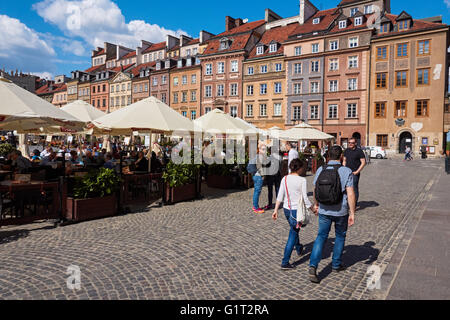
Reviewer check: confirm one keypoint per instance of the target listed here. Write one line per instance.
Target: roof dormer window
(180, 63)
(402, 25)
(225, 44)
(260, 49)
(358, 21)
(384, 28)
(368, 9)
(316, 20)
(273, 47)
(167, 64)
(342, 24)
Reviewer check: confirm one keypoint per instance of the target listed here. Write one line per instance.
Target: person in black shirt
(355, 159)
(141, 163)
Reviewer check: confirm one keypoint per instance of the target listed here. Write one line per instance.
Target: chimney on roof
(307, 10)
(230, 23)
(205, 36)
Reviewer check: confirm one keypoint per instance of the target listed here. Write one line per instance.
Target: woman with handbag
(296, 205)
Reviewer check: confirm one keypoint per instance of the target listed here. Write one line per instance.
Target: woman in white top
(296, 187)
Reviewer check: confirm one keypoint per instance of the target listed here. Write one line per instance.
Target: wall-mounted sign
(408, 140)
(424, 141)
(436, 142)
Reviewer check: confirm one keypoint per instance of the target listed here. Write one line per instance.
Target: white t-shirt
(296, 186)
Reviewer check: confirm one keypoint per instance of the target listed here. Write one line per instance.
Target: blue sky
(39, 37)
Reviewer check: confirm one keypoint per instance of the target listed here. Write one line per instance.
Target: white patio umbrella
(83, 111)
(304, 132)
(219, 122)
(25, 112)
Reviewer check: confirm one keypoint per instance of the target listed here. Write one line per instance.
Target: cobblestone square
(215, 248)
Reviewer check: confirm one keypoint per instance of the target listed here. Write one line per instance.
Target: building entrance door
(405, 141)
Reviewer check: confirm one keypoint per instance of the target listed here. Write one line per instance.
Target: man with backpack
(335, 197)
(256, 169)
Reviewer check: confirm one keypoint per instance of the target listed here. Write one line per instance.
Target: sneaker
(269, 207)
(258, 210)
(287, 267)
(341, 268)
(299, 250)
(313, 275)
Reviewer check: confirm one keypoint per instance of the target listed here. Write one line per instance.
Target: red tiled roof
(278, 34)
(129, 55)
(418, 25)
(195, 41)
(96, 68)
(239, 43)
(246, 27)
(56, 88)
(351, 26)
(119, 68)
(326, 19)
(99, 53)
(136, 70)
(174, 48)
(155, 46)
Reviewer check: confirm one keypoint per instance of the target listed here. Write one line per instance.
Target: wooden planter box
(220, 182)
(179, 194)
(88, 209)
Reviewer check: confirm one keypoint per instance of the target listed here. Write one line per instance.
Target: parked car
(377, 152)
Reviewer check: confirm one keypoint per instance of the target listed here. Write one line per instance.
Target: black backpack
(328, 186)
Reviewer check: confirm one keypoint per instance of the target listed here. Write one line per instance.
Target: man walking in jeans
(337, 213)
(261, 159)
(355, 159)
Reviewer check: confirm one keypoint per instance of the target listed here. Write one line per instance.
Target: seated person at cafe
(141, 163)
(19, 162)
(109, 164)
(74, 157)
(36, 156)
(89, 159)
(46, 152)
(51, 158)
(156, 166)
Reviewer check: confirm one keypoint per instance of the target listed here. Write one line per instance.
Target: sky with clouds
(53, 37)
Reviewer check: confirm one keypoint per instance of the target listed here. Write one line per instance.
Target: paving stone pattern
(216, 248)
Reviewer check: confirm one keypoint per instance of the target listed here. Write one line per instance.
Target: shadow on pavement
(367, 204)
(7, 236)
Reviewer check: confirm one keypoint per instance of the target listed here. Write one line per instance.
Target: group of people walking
(335, 198)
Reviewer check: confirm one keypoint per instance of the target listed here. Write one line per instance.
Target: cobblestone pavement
(216, 248)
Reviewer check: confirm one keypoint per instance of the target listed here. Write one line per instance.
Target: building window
(298, 68)
(384, 28)
(334, 64)
(351, 110)
(163, 97)
(112, 89)
(353, 62)
(402, 50)
(194, 79)
(334, 45)
(175, 97)
(297, 88)
(208, 70)
(422, 108)
(220, 90)
(314, 112)
(263, 88)
(164, 79)
(314, 66)
(263, 110)
(208, 92)
(333, 85)
(297, 113)
(315, 48)
(277, 87)
(233, 111)
(353, 11)
(111, 102)
(234, 89)
(353, 42)
(175, 81)
(259, 50)
(353, 84)
(277, 109)
(221, 67)
(155, 81)
(316, 20)
(381, 80)
(207, 109)
(358, 21)
(146, 87)
(423, 77)
(298, 51)
(273, 48)
(423, 47)
(278, 67)
(314, 87)
(368, 9)
(382, 140)
(400, 109)
(184, 113)
(380, 110)
(401, 77)
(184, 96)
(193, 115)
(250, 71)
(382, 53)
(342, 24)
(333, 111)
(264, 69)
(184, 80)
(402, 25)
(249, 110)
(250, 90)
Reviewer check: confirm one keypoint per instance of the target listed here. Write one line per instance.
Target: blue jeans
(340, 227)
(258, 182)
(293, 240)
(356, 187)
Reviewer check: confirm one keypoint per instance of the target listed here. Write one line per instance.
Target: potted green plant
(5, 149)
(180, 182)
(94, 196)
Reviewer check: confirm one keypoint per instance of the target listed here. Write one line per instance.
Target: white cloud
(447, 2)
(99, 21)
(23, 48)
(44, 75)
